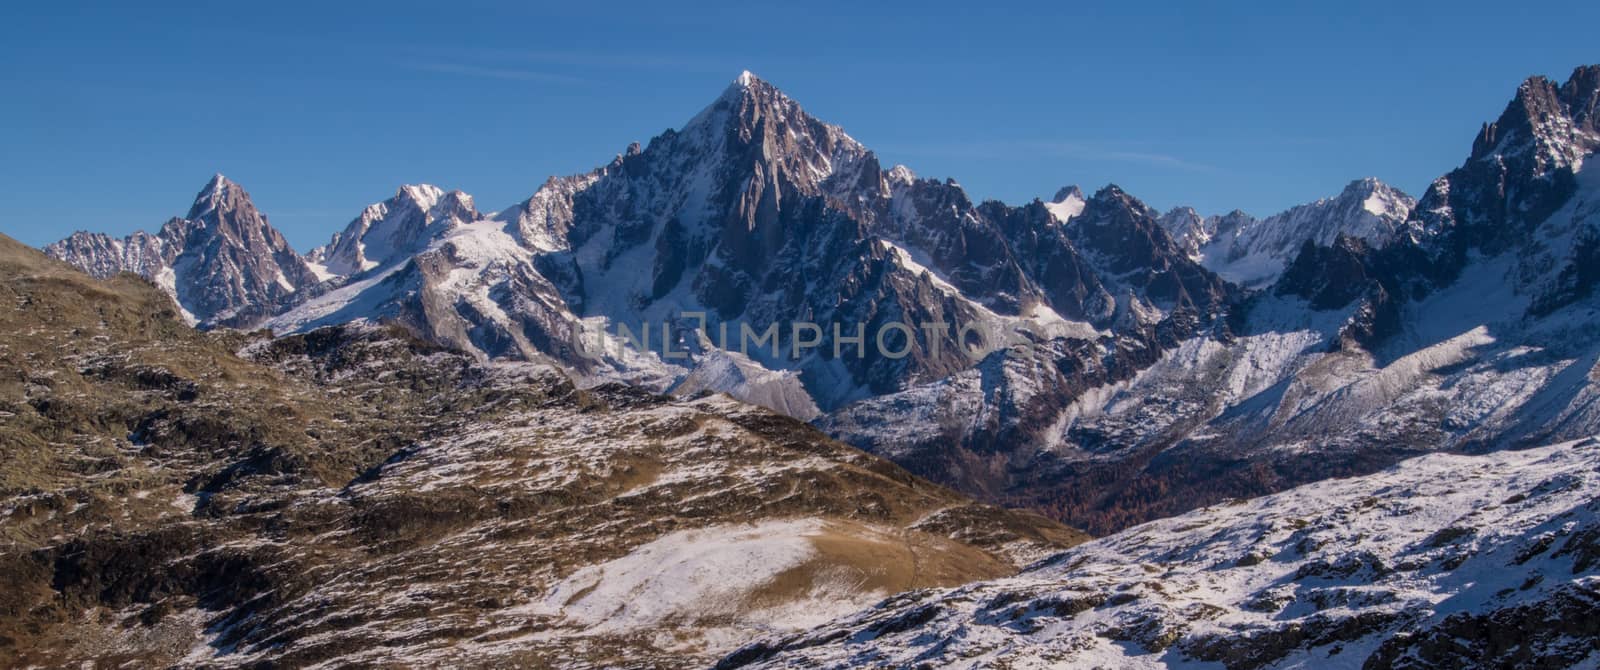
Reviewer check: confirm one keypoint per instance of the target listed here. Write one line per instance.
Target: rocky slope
(173, 497)
(1442, 561)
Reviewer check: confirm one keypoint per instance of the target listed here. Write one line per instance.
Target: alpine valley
(1356, 432)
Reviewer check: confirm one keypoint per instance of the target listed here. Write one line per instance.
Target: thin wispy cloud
(510, 74)
(1157, 159)
(1010, 149)
(308, 213)
(606, 60)
(553, 66)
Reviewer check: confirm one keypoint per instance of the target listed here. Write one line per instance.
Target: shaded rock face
(1122, 233)
(1054, 266)
(1520, 171)
(359, 495)
(1329, 277)
(222, 263)
(1350, 273)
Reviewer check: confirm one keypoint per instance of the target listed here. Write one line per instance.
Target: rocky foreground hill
(1444, 561)
(173, 497)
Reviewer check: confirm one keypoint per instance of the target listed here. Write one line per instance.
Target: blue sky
(114, 116)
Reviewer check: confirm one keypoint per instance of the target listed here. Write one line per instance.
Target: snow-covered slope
(1302, 390)
(1067, 203)
(1441, 561)
(468, 285)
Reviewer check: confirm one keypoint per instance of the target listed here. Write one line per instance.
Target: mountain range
(522, 437)
(1173, 359)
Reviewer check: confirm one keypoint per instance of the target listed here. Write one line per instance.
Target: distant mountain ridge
(1254, 252)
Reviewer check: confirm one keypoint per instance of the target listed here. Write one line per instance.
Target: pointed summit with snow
(1067, 203)
(754, 212)
(223, 263)
(755, 121)
(213, 193)
(1522, 169)
(390, 231)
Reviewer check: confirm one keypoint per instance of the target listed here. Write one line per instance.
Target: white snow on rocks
(1252, 252)
(1318, 576)
(1069, 203)
(703, 573)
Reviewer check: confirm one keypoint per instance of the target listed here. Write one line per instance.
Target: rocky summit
(222, 263)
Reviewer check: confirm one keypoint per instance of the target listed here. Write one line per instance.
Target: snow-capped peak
(1548, 125)
(216, 191)
(425, 195)
(1068, 191)
(1380, 199)
(220, 263)
(754, 114)
(218, 182)
(900, 175)
(1189, 229)
(1069, 202)
(394, 229)
(1253, 252)
(747, 84)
